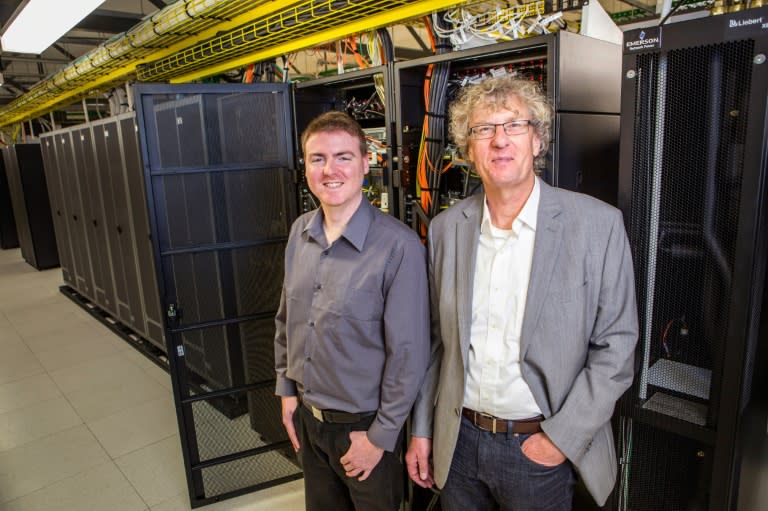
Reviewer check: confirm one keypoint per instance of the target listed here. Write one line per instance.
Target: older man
(534, 322)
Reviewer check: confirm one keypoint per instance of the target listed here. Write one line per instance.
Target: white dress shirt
(503, 268)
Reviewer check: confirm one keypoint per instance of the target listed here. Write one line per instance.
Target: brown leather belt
(495, 425)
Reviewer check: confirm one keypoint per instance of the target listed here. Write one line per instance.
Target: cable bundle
(432, 147)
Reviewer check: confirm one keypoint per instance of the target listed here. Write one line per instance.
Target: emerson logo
(645, 40)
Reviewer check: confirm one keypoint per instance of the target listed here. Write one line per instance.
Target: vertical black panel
(32, 209)
(82, 157)
(96, 223)
(19, 204)
(109, 172)
(8, 236)
(134, 174)
(58, 210)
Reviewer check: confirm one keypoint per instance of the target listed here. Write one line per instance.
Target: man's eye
(484, 130)
(315, 161)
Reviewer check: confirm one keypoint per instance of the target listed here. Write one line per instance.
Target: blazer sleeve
(609, 367)
(422, 417)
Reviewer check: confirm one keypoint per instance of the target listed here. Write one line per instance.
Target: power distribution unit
(31, 207)
(693, 191)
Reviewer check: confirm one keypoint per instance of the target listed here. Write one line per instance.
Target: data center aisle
(87, 422)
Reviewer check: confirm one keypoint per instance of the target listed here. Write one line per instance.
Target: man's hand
(417, 461)
(362, 456)
(289, 405)
(540, 449)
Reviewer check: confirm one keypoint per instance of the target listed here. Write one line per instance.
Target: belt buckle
(486, 416)
(318, 413)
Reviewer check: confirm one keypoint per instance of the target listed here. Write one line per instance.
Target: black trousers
(326, 487)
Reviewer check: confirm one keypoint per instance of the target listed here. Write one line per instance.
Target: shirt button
(318, 287)
(325, 252)
(311, 323)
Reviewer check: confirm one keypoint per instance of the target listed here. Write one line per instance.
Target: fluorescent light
(42, 22)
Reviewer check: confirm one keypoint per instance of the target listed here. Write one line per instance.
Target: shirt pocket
(363, 304)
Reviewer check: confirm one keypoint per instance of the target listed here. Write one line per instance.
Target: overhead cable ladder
(292, 24)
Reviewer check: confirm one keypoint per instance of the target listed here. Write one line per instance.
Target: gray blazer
(578, 335)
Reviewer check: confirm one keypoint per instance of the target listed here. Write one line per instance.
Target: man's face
(335, 169)
(504, 161)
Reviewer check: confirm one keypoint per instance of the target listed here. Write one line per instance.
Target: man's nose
(500, 137)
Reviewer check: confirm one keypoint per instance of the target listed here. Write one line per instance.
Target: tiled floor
(86, 422)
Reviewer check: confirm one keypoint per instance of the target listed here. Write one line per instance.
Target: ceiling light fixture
(42, 22)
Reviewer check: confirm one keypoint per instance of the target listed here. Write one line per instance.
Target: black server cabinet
(220, 181)
(31, 206)
(580, 76)
(58, 211)
(694, 143)
(71, 156)
(119, 227)
(87, 172)
(365, 95)
(100, 215)
(134, 180)
(8, 236)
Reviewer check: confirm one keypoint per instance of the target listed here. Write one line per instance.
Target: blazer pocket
(570, 293)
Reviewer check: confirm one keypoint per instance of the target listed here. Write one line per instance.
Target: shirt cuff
(384, 438)
(285, 387)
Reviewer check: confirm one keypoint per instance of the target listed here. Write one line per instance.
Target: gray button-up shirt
(353, 323)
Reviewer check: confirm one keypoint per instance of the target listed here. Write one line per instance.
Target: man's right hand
(417, 461)
(289, 405)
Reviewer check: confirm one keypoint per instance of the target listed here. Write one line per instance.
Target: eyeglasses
(483, 131)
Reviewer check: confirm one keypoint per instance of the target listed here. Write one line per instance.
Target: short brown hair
(495, 93)
(335, 121)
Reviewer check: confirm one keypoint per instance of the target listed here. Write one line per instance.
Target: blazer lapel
(545, 251)
(467, 233)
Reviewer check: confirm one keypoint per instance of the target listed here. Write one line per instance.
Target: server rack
(119, 225)
(70, 155)
(87, 171)
(137, 200)
(693, 190)
(580, 76)
(102, 228)
(59, 213)
(221, 193)
(31, 207)
(8, 236)
(366, 96)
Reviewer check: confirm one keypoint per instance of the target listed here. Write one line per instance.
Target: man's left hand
(362, 456)
(540, 449)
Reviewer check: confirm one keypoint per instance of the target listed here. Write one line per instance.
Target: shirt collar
(527, 215)
(356, 230)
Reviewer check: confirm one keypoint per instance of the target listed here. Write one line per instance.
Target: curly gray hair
(495, 94)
